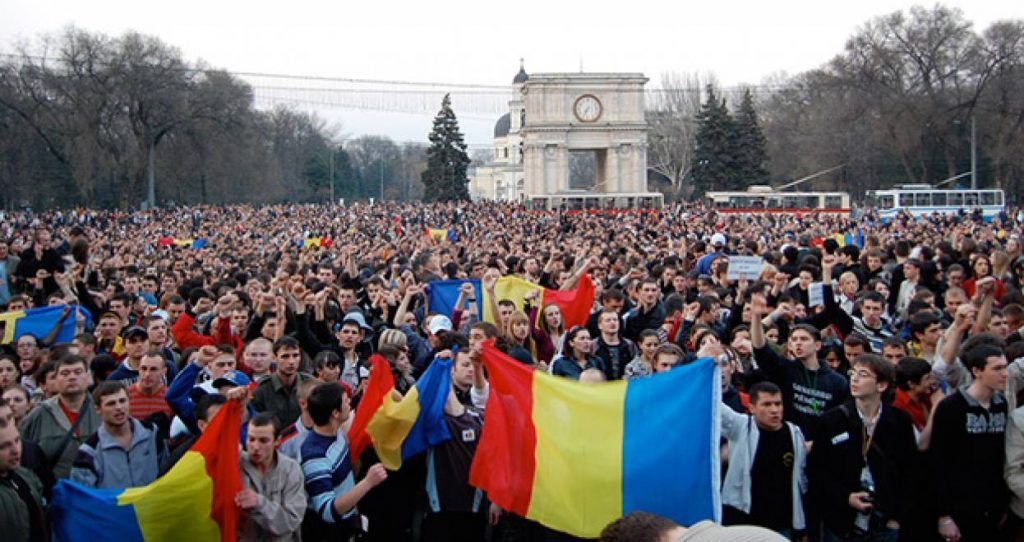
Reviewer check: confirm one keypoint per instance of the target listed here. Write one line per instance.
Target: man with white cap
(717, 248)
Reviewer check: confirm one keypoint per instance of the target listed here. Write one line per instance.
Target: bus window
(833, 202)
(922, 199)
(988, 198)
(774, 203)
(970, 199)
(790, 202)
(886, 201)
(939, 199)
(956, 199)
(757, 203)
(906, 200)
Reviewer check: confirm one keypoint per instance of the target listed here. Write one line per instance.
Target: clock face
(587, 108)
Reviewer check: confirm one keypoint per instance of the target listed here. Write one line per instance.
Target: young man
(914, 389)
(327, 468)
(649, 312)
(667, 357)
(21, 493)
(273, 499)
(136, 341)
(967, 447)
(278, 394)
(766, 465)
(616, 351)
(123, 452)
(291, 438)
(146, 396)
(49, 423)
(862, 460)
(809, 387)
(457, 510)
(258, 356)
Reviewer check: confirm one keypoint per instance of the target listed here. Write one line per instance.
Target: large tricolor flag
(575, 304)
(575, 457)
(194, 501)
(400, 429)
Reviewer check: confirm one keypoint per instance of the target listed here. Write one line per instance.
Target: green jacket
(13, 513)
(46, 425)
(272, 396)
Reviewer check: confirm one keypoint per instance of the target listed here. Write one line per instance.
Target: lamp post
(974, 154)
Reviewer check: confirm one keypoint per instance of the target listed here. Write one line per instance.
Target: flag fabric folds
(194, 501)
(404, 428)
(39, 322)
(444, 293)
(575, 457)
(575, 304)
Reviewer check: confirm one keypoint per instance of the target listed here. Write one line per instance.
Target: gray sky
(481, 42)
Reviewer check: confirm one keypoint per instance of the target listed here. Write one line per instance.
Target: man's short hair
(922, 321)
(70, 359)
(105, 388)
(672, 349)
(763, 387)
(977, 356)
(286, 342)
(489, 329)
(857, 340)
(911, 371)
(877, 364)
(612, 294)
(206, 402)
(872, 296)
(264, 419)
(323, 401)
(637, 527)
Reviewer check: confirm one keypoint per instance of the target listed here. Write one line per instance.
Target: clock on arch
(587, 108)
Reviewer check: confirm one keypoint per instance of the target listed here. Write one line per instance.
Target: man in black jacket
(968, 451)
(861, 463)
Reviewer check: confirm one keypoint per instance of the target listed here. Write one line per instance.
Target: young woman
(327, 367)
(576, 355)
(547, 336)
(643, 363)
(401, 367)
(982, 268)
(10, 374)
(518, 338)
(18, 398)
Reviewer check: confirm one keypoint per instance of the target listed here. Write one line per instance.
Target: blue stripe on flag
(672, 477)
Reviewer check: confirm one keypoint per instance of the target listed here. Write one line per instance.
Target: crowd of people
(869, 373)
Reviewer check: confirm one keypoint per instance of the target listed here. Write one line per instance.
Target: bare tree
(671, 112)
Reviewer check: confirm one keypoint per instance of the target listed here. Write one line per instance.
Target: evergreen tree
(447, 161)
(713, 156)
(750, 153)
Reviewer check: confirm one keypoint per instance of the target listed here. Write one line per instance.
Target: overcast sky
(481, 42)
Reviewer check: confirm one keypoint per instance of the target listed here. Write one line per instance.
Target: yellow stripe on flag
(186, 485)
(9, 321)
(513, 289)
(391, 424)
(438, 234)
(578, 462)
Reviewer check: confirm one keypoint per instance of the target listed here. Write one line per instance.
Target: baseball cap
(438, 323)
(135, 331)
(358, 318)
(232, 378)
(718, 240)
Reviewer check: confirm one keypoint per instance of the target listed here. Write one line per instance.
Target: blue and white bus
(923, 200)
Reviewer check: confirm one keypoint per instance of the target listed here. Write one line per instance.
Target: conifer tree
(750, 153)
(447, 161)
(713, 157)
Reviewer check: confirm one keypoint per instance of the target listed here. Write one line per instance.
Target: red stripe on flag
(379, 386)
(219, 447)
(505, 462)
(575, 304)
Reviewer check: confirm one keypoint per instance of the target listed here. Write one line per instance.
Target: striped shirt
(328, 472)
(141, 406)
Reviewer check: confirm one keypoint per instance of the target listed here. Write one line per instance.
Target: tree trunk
(151, 175)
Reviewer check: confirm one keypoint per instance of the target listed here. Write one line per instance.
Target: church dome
(521, 77)
(503, 125)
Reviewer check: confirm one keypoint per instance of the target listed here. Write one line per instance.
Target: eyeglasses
(860, 375)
